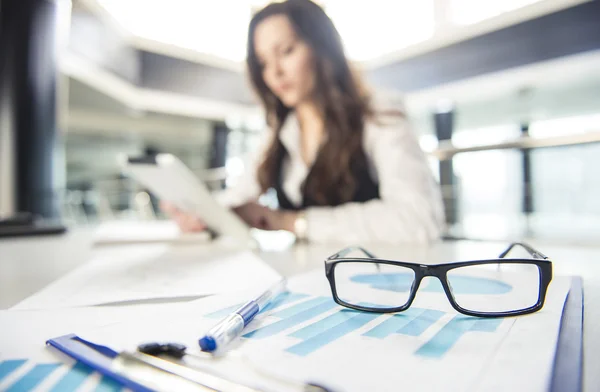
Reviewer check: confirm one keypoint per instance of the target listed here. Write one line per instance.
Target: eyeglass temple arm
(350, 249)
(534, 253)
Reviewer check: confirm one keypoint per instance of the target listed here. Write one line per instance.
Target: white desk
(29, 264)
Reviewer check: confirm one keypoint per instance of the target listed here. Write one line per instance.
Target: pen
(232, 326)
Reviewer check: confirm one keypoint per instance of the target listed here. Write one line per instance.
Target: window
(369, 29)
(489, 183)
(378, 27)
(218, 28)
(465, 12)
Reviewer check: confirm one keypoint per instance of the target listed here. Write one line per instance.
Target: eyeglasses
(485, 288)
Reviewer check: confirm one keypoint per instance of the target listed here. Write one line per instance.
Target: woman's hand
(253, 214)
(261, 217)
(280, 220)
(188, 223)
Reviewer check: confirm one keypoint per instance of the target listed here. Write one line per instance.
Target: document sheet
(144, 272)
(303, 335)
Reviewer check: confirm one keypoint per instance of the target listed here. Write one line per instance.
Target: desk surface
(29, 264)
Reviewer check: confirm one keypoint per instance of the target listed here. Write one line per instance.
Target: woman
(341, 171)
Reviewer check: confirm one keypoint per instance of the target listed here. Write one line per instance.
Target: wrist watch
(301, 225)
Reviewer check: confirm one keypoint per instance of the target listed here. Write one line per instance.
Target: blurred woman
(342, 170)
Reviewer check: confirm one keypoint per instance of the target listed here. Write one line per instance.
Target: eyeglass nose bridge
(428, 270)
(431, 270)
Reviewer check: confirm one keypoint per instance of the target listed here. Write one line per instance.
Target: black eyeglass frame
(440, 271)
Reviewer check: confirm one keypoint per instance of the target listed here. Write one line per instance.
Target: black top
(367, 189)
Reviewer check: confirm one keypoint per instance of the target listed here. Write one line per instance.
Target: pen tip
(207, 344)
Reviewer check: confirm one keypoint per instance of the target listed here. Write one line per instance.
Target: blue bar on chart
(107, 384)
(447, 337)
(34, 377)
(293, 317)
(332, 334)
(394, 323)
(486, 325)
(7, 367)
(320, 326)
(293, 310)
(420, 324)
(73, 379)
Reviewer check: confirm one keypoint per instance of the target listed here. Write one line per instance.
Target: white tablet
(171, 180)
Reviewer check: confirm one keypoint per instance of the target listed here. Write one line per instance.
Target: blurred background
(504, 97)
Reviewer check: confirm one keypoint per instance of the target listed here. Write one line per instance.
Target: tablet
(171, 180)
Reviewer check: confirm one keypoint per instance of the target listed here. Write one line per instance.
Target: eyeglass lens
(496, 287)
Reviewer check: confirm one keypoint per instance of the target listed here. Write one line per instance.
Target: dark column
(444, 126)
(28, 96)
(218, 154)
(219, 146)
(527, 186)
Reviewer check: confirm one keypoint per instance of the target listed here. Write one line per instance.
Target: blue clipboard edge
(567, 373)
(75, 347)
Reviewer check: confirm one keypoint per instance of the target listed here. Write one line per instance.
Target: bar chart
(308, 322)
(339, 323)
(19, 375)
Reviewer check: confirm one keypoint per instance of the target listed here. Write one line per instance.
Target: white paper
(539, 330)
(506, 356)
(356, 361)
(154, 272)
(24, 333)
(138, 232)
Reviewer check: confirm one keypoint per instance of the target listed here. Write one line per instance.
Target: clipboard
(140, 372)
(567, 372)
(99, 358)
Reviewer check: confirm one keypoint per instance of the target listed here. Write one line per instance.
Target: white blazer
(410, 206)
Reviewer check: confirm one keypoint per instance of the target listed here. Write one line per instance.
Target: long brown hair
(344, 104)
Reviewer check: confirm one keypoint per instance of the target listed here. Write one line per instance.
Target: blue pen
(232, 326)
